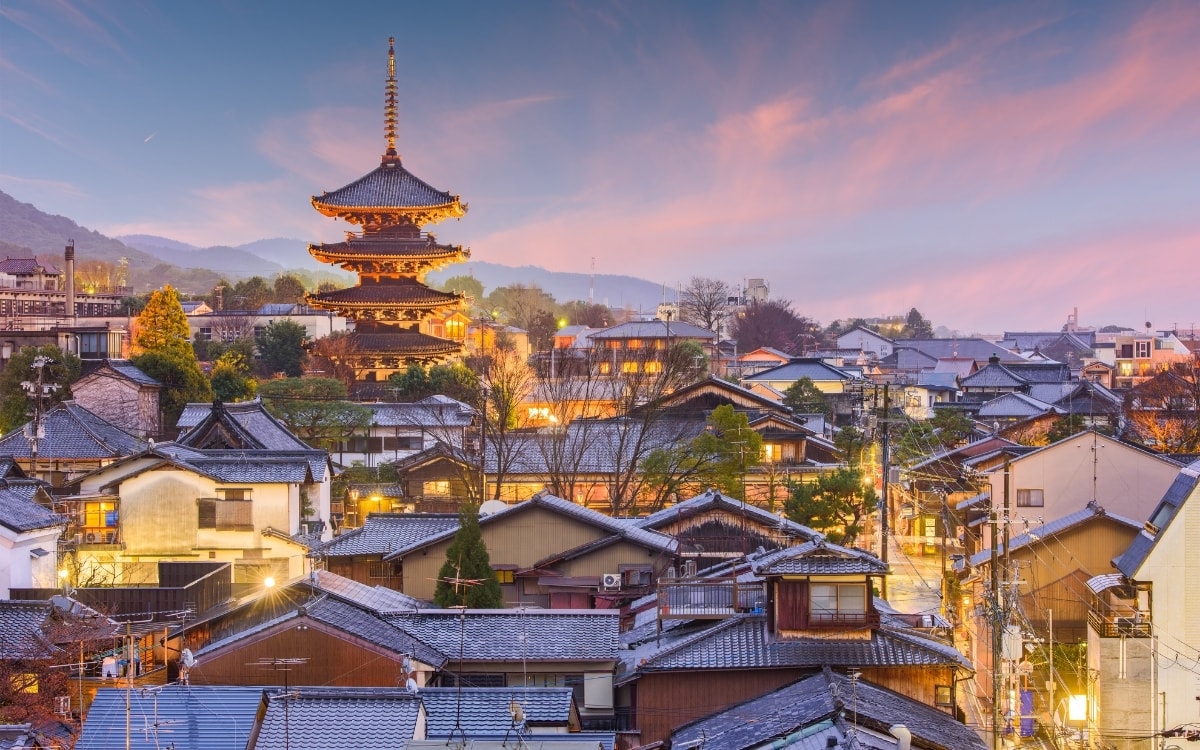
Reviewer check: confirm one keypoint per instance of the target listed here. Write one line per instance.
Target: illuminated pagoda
(391, 306)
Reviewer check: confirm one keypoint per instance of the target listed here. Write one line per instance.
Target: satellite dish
(188, 658)
(411, 686)
(492, 506)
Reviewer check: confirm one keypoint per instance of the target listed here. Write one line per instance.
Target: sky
(995, 165)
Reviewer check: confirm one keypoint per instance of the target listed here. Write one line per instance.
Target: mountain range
(152, 261)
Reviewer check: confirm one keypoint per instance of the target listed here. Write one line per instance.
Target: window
(403, 443)
(383, 569)
(205, 334)
(830, 602)
(942, 695)
(629, 367)
(440, 488)
(232, 511)
(1141, 349)
(653, 367)
(504, 577)
(770, 452)
(1030, 499)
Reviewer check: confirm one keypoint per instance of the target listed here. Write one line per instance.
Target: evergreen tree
(162, 326)
(183, 382)
(282, 347)
(804, 397)
(835, 504)
(61, 370)
(466, 578)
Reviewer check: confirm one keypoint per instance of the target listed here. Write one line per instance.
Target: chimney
(900, 732)
(70, 257)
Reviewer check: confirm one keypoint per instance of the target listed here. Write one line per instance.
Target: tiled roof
(817, 704)
(819, 558)
(430, 413)
(375, 246)
(802, 367)
(25, 266)
(485, 713)
(515, 634)
(1041, 372)
(1057, 526)
(72, 432)
(389, 186)
(311, 718)
(402, 341)
(249, 420)
(544, 499)
(126, 369)
(405, 292)
(653, 329)
(994, 375)
(377, 598)
(742, 642)
(254, 467)
(388, 533)
(1015, 405)
(19, 512)
(21, 634)
(714, 500)
(196, 717)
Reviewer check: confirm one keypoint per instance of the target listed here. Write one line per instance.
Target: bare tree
(507, 385)
(1164, 412)
(704, 302)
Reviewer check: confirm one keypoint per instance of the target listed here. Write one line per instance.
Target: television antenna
(285, 665)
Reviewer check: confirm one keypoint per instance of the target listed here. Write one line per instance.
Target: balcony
(1116, 626)
(708, 598)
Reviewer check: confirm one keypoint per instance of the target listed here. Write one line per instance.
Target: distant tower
(391, 304)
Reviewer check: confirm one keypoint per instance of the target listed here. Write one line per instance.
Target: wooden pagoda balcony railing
(708, 598)
(1110, 626)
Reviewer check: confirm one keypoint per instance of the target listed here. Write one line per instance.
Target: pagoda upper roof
(405, 293)
(390, 188)
(372, 247)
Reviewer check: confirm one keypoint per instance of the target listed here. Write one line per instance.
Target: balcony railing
(714, 598)
(1112, 626)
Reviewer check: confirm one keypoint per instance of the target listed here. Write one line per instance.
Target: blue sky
(993, 164)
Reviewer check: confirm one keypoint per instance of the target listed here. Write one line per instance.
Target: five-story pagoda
(391, 255)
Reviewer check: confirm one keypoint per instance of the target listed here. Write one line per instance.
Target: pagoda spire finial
(389, 114)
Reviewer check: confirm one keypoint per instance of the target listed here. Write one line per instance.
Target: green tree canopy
(182, 379)
(804, 397)
(231, 377)
(288, 290)
(468, 285)
(61, 369)
(316, 409)
(916, 326)
(835, 504)
(281, 347)
(162, 327)
(466, 578)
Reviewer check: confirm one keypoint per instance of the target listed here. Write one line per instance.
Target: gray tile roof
(742, 642)
(801, 367)
(820, 705)
(389, 185)
(377, 598)
(19, 512)
(388, 533)
(73, 432)
(484, 713)
(714, 500)
(432, 413)
(199, 717)
(1015, 405)
(543, 499)
(21, 633)
(127, 369)
(515, 634)
(329, 718)
(252, 468)
(249, 420)
(994, 375)
(1057, 526)
(819, 558)
(647, 329)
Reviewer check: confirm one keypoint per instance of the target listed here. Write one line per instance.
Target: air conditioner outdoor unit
(610, 581)
(92, 537)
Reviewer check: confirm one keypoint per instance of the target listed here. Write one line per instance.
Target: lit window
(628, 367)
(770, 452)
(653, 367)
(439, 488)
(504, 576)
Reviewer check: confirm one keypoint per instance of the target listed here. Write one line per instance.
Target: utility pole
(999, 614)
(884, 510)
